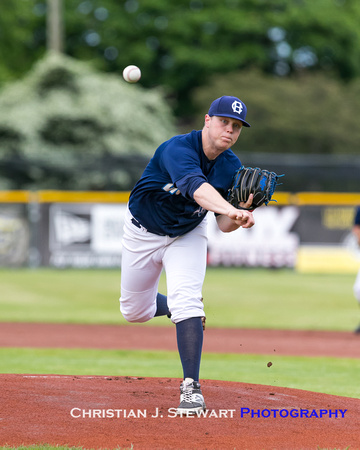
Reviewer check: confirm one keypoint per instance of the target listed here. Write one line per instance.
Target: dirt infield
(283, 342)
(106, 412)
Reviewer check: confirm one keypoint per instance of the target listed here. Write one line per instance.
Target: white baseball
(131, 74)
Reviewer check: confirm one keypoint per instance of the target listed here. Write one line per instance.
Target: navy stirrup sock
(189, 335)
(161, 306)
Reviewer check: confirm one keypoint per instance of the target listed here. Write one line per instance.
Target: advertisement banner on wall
(303, 237)
(14, 234)
(327, 242)
(84, 235)
(270, 243)
(89, 235)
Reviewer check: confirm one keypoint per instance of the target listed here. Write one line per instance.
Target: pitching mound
(106, 412)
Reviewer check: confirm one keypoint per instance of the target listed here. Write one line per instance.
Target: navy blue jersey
(162, 200)
(357, 216)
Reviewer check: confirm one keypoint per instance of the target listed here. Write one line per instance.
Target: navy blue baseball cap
(228, 106)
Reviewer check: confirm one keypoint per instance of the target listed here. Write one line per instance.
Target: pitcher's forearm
(209, 198)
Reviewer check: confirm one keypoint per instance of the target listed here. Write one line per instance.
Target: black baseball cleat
(191, 398)
(357, 330)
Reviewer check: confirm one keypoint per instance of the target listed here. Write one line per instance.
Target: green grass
(234, 297)
(327, 375)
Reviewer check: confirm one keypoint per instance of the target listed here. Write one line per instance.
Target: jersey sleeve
(182, 163)
(357, 217)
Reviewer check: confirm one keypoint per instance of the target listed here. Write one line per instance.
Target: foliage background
(180, 44)
(69, 125)
(295, 63)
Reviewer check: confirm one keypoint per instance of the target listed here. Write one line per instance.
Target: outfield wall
(307, 231)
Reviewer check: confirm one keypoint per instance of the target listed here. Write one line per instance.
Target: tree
(180, 45)
(67, 126)
(304, 114)
(22, 37)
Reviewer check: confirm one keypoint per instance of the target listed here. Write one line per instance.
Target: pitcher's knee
(185, 311)
(136, 318)
(136, 313)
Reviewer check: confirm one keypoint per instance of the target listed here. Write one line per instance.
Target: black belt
(141, 227)
(136, 223)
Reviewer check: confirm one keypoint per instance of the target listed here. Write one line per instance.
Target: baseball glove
(249, 180)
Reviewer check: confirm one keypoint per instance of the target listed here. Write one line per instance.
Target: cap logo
(237, 107)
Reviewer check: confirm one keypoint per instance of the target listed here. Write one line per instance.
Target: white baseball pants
(357, 287)
(145, 255)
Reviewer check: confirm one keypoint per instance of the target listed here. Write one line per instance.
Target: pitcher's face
(222, 132)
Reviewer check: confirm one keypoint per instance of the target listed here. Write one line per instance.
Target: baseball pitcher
(165, 229)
